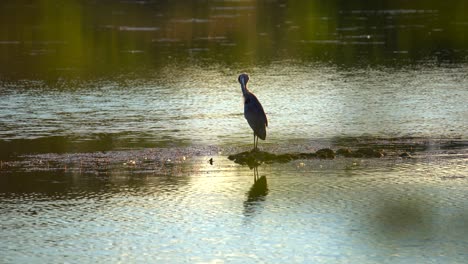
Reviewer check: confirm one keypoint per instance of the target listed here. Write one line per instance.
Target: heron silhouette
(253, 111)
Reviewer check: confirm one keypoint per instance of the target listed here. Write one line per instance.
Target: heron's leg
(255, 147)
(256, 143)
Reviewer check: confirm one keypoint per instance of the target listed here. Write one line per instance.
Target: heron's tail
(261, 133)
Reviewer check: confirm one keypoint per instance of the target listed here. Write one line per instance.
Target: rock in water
(325, 153)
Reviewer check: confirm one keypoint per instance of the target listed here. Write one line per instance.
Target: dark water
(91, 38)
(111, 110)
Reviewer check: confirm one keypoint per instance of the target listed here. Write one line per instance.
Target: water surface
(341, 210)
(198, 105)
(111, 111)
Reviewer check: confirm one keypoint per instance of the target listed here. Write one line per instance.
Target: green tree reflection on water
(83, 37)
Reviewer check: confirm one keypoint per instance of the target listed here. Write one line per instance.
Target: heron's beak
(242, 82)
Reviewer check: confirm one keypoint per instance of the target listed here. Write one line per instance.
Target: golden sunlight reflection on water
(365, 210)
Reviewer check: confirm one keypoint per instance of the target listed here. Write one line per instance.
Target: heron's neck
(245, 91)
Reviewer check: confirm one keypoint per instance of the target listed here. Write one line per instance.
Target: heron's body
(253, 111)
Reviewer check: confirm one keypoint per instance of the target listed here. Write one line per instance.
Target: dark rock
(255, 157)
(325, 154)
(305, 156)
(344, 152)
(368, 153)
(405, 155)
(283, 158)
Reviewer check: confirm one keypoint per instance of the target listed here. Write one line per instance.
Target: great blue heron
(253, 111)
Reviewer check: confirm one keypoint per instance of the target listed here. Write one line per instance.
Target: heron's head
(243, 79)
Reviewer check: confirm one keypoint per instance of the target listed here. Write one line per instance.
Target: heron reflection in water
(256, 195)
(253, 111)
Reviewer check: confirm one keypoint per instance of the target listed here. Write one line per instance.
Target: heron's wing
(254, 108)
(255, 115)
